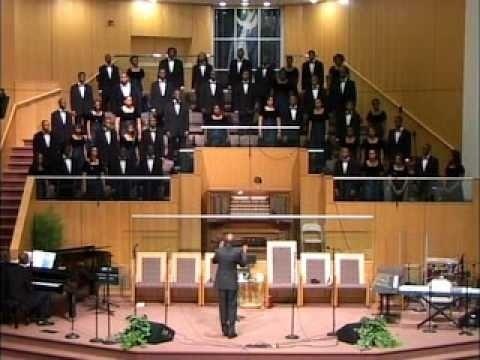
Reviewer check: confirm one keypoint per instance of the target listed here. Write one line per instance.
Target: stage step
(6, 219)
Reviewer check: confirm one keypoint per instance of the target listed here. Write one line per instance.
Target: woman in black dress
(136, 73)
(78, 142)
(95, 121)
(129, 141)
(372, 142)
(377, 118)
(128, 115)
(350, 141)
(217, 137)
(397, 188)
(453, 190)
(93, 188)
(291, 73)
(269, 116)
(372, 167)
(317, 125)
(282, 89)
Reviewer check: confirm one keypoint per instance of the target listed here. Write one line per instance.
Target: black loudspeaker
(160, 333)
(3, 103)
(348, 333)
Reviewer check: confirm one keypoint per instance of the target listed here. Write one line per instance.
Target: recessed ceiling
(236, 2)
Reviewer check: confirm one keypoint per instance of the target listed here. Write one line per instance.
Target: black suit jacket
(307, 75)
(353, 168)
(241, 102)
(61, 132)
(40, 147)
(82, 106)
(107, 152)
(339, 99)
(157, 101)
(403, 146)
(264, 84)
(341, 124)
(234, 77)
(197, 78)
(309, 100)
(147, 141)
(106, 83)
(287, 117)
(228, 258)
(115, 169)
(62, 170)
(431, 169)
(205, 99)
(173, 123)
(157, 169)
(176, 76)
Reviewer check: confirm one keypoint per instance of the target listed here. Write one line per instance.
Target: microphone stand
(292, 335)
(96, 339)
(109, 339)
(465, 327)
(167, 295)
(72, 334)
(334, 291)
(134, 280)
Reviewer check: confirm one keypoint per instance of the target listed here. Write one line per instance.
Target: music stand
(108, 275)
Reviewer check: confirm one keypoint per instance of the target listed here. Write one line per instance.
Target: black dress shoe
(225, 330)
(45, 323)
(232, 334)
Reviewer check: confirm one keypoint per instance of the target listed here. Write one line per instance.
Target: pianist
(36, 304)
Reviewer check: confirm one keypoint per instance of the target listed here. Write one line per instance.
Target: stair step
(21, 155)
(6, 227)
(20, 163)
(8, 219)
(22, 148)
(28, 141)
(9, 210)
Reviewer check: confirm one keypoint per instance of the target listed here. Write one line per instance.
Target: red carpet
(197, 333)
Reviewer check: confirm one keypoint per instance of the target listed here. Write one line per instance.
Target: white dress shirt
(264, 72)
(348, 119)
(150, 165)
(68, 165)
(213, 88)
(176, 105)
(293, 113)
(63, 116)
(239, 65)
(165, 145)
(312, 67)
(171, 65)
(425, 163)
(81, 89)
(163, 86)
(315, 93)
(108, 136)
(344, 166)
(398, 133)
(153, 135)
(202, 69)
(342, 86)
(126, 89)
(47, 138)
(123, 166)
(109, 71)
(245, 88)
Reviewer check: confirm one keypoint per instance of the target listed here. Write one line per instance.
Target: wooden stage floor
(198, 336)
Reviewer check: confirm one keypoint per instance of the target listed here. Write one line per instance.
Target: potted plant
(47, 231)
(374, 333)
(137, 332)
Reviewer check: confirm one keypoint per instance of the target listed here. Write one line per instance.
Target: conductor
(226, 282)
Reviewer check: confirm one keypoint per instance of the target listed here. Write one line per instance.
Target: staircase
(11, 189)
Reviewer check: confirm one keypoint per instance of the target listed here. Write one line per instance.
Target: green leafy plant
(137, 332)
(47, 231)
(374, 333)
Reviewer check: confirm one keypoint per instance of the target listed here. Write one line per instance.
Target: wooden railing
(405, 111)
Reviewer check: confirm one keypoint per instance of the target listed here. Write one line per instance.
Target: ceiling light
(244, 3)
(313, 1)
(267, 4)
(343, 2)
(222, 3)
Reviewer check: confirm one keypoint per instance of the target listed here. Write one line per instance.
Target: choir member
(81, 99)
(108, 78)
(310, 68)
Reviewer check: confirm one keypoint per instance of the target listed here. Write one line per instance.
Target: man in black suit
(201, 72)
(226, 282)
(427, 166)
(237, 67)
(313, 92)
(125, 89)
(173, 68)
(349, 117)
(343, 90)
(151, 136)
(67, 165)
(176, 120)
(346, 190)
(243, 99)
(264, 80)
(293, 117)
(210, 93)
(399, 140)
(81, 99)
(152, 165)
(45, 143)
(312, 67)
(108, 78)
(20, 289)
(160, 94)
(107, 142)
(62, 124)
(123, 189)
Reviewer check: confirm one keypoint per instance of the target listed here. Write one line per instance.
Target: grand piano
(73, 273)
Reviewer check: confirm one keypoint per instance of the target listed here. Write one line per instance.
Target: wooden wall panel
(412, 49)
